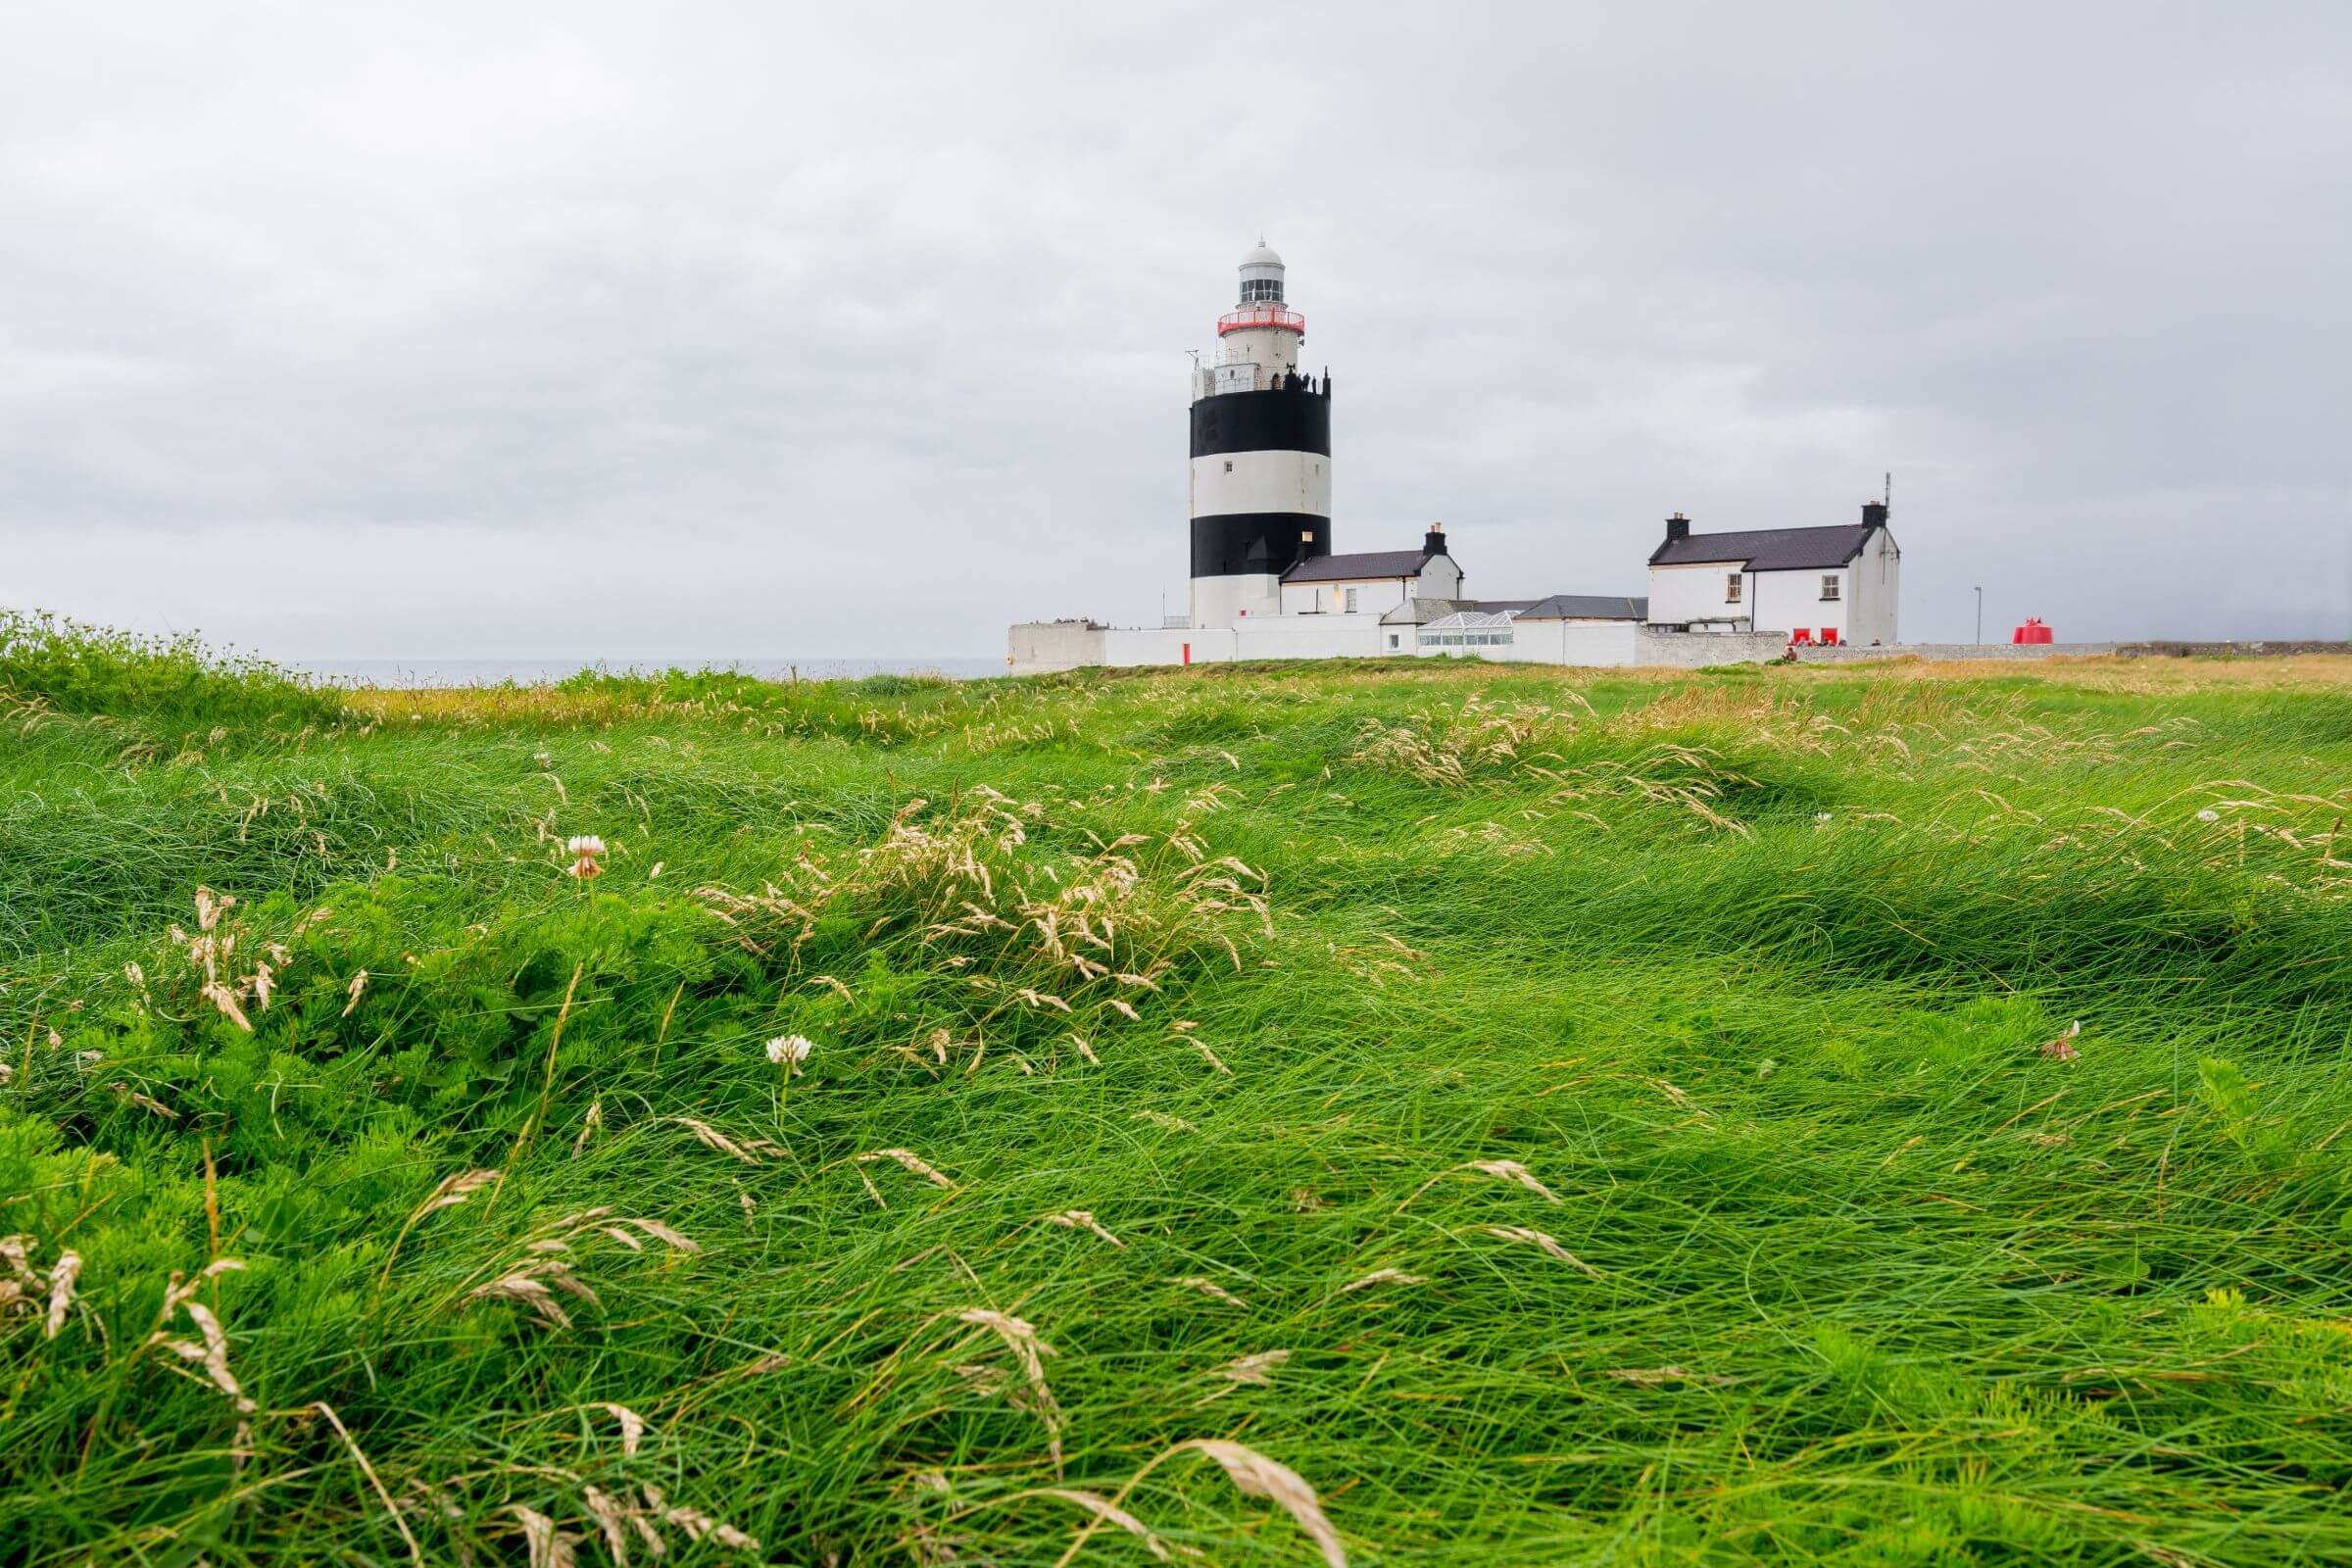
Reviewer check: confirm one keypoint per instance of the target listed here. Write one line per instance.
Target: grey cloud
(718, 330)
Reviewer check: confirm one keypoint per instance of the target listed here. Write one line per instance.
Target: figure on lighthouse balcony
(1261, 455)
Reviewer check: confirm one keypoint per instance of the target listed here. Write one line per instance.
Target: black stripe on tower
(1261, 421)
(1236, 544)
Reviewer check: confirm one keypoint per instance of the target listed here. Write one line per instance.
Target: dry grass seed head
(749, 1150)
(1112, 1513)
(1021, 1337)
(1213, 1290)
(632, 1425)
(1510, 1170)
(529, 1285)
(662, 1233)
(1534, 1238)
(696, 1524)
(611, 1517)
(62, 1276)
(1083, 1219)
(454, 1190)
(1252, 1369)
(908, 1161)
(1383, 1276)
(547, 1545)
(1256, 1476)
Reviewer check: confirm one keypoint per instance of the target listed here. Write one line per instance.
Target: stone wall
(1693, 650)
(2265, 648)
(1850, 653)
(1042, 647)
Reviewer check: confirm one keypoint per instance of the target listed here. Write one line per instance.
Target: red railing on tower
(1273, 316)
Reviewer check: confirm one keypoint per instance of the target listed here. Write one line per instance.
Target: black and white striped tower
(1261, 455)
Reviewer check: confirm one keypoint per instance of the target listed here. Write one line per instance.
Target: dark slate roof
(1519, 606)
(1587, 607)
(1767, 549)
(1363, 564)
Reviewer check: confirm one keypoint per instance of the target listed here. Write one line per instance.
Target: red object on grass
(2033, 631)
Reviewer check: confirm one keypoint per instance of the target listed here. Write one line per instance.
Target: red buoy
(2033, 631)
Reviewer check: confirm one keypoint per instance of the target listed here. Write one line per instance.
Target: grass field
(1440, 1114)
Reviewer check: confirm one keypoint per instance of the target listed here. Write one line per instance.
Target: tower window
(1261, 290)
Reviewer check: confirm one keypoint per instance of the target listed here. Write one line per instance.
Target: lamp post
(1979, 612)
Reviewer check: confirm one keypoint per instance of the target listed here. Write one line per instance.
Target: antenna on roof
(1889, 500)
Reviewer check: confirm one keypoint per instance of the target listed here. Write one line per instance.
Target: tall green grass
(1562, 1118)
(47, 661)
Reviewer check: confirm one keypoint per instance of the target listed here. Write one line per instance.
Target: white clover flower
(2209, 814)
(587, 853)
(790, 1050)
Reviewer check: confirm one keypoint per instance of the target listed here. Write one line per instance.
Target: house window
(1392, 639)
(1731, 588)
(1829, 586)
(1228, 464)
(1351, 601)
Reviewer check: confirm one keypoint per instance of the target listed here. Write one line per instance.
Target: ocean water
(532, 671)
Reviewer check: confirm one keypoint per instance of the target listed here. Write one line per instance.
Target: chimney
(1435, 544)
(1678, 527)
(1873, 513)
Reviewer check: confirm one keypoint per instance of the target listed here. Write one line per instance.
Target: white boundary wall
(1042, 647)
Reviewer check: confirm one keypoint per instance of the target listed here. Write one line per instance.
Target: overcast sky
(708, 331)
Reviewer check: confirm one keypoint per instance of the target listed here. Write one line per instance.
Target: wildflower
(587, 853)
(790, 1050)
(1821, 816)
(2209, 814)
(2063, 1049)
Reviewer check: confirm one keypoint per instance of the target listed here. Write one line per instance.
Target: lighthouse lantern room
(1261, 454)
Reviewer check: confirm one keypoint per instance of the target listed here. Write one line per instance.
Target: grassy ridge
(1560, 1118)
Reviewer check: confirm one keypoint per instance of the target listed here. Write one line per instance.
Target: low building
(1836, 584)
(1372, 581)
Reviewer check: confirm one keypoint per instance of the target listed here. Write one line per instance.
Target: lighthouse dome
(1261, 276)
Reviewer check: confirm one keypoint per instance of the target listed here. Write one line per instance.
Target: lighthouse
(1261, 455)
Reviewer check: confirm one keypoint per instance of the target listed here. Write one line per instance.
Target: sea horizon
(531, 672)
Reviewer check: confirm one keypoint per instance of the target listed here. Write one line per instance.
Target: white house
(1834, 584)
(1371, 582)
